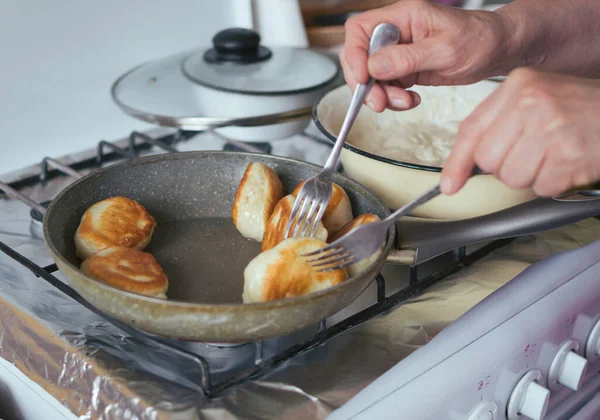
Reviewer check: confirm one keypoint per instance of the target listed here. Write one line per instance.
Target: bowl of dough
(399, 155)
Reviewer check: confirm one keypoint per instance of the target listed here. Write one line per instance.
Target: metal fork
(365, 240)
(314, 196)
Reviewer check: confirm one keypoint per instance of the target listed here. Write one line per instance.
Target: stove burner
(36, 227)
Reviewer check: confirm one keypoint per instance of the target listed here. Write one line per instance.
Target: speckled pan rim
(217, 307)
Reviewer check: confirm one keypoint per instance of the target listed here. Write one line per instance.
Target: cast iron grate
(107, 152)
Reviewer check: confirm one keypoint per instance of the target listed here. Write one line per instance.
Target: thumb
(402, 60)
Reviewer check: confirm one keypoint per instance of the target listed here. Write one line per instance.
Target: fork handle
(422, 199)
(358, 98)
(385, 34)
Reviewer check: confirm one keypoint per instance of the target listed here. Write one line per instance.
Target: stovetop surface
(92, 367)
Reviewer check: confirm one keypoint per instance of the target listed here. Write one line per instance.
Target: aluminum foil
(99, 372)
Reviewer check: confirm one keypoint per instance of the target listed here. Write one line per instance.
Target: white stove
(530, 350)
(446, 341)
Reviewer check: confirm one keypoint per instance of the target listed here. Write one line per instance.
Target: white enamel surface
(30, 399)
(483, 355)
(398, 185)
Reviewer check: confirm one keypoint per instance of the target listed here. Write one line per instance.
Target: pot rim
(383, 159)
(362, 152)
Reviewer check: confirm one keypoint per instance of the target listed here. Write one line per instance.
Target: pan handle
(429, 238)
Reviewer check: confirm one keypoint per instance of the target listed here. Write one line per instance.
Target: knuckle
(408, 60)
(582, 178)
(543, 189)
(536, 95)
(570, 149)
(351, 23)
(523, 75)
(550, 186)
(468, 130)
(512, 179)
(485, 162)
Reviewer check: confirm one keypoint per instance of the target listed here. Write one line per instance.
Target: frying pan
(191, 196)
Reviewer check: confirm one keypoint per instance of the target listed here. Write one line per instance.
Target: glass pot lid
(180, 90)
(238, 63)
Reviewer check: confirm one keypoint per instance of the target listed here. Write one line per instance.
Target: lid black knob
(237, 45)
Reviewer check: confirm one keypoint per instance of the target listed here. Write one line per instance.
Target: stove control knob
(528, 398)
(568, 368)
(483, 411)
(592, 347)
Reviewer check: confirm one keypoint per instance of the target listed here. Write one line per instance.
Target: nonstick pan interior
(190, 195)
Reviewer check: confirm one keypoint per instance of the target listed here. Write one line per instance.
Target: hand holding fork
(315, 194)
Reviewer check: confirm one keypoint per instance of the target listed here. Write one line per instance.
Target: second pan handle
(430, 238)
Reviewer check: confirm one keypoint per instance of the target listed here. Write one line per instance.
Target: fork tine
(318, 219)
(300, 217)
(327, 255)
(293, 213)
(341, 256)
(351, 260)
(308, 227)
(319, 251)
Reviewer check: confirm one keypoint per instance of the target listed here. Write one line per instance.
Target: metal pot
(397, 182)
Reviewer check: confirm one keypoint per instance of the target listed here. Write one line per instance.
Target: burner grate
(264, 366)
(107, 152)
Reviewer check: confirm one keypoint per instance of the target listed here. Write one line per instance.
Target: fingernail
(379, 64)
(416, 98)
(371, 105)
(446, 185)
(399, 103)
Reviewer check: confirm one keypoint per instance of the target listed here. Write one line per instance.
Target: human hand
(537, 130)
(439, 45)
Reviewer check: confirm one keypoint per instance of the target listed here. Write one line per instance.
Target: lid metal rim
(265, 93)
(192, 123)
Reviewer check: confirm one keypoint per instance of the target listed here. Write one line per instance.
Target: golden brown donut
(283, 272)
(116, 221)
(259, 191)
(277, 224)
(127, 269)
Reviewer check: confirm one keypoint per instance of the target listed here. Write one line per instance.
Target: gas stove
(95, 367)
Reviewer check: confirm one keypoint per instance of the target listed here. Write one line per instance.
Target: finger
(348, 76)
(459, 165)
(399, 99)
(359, 29)
(499, 137)
(397, 61)
(553, 177)
(568, 163)
(376, 99)
(525, 158)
